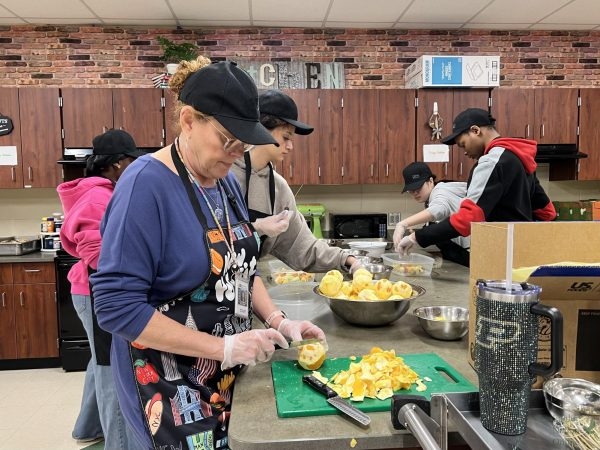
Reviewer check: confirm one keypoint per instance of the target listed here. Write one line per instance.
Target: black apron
(186, 400)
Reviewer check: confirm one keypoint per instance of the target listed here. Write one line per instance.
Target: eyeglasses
(232, 145)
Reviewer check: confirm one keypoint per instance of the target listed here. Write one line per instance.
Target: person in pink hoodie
(84, 201)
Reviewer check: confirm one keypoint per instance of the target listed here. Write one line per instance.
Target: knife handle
(319, 386)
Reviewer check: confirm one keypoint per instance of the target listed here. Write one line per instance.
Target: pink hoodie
(84, 201)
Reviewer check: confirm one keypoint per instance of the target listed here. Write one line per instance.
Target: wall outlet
(393, 219)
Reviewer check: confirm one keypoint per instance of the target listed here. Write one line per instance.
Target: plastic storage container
(282, 274)
(299, 301)
(373, 248)
(411, 265)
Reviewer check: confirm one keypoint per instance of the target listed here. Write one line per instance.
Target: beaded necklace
(213, 213)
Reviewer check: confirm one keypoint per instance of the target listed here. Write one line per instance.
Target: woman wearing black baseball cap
(270, 199)
(176, 281)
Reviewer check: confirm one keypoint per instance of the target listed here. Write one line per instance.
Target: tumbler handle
(556, 341)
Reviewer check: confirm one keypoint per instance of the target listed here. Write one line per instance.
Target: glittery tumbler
(506, 345)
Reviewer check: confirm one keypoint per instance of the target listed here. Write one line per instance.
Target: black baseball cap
(116, 142)
(465, 120)
(227, 93)
(277, 104)
(415, 175)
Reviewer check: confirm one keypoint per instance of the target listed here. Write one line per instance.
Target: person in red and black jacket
(502, 186)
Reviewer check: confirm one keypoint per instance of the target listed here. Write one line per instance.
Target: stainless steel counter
(254, 422)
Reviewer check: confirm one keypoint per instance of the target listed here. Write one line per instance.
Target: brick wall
(128, 56)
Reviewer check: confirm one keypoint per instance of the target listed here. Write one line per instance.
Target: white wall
(22, 209)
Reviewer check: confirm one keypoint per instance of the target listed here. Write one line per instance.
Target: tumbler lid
(519, 292)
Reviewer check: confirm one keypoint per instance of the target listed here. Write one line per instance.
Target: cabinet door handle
(32, 270)
(387, 170)
(21, 298)
(527, 131)
(13, 175)
(30, 173)
(372, 170)
(445, 169)
(542, 130)
(4, 299)
(319, 171)
(291, 171)
(342, 171)
(460, 169)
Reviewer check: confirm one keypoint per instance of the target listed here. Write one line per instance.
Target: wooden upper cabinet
(39, 113)
(589, 135)
(301, 165)
(331, 136)
(397, 119)
(11, 176)
(427, 98)
(546, 115)
(139, 111)
(360, 128)
(86, 113)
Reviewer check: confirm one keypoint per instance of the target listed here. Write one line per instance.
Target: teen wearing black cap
(441, 200)
(84, 202)
(502, 186)
(270, 200)
(177, 282)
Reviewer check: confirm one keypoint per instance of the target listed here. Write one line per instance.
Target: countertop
(254, 422)
(34, 257)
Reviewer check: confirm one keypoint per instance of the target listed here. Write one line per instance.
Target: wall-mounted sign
(295, 74)
(6, 125)
(8, 155)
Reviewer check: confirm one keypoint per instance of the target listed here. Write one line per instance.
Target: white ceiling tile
(310, 10)
(211, 10)
(561, 26)
(290, 23)
(213, 23)
(426, 26)
(116, 10)
(436, 11)
(580, 11)
(48, 9)
(517, 11)
(62, 21)
(335, 24)
(375, 11)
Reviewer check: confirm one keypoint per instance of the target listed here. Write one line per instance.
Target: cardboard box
(453, 71)
(577, 297)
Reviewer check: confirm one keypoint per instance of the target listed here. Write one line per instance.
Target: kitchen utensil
(371, 312)
(293, 398)
(294, 344)
(313, 212)
(336, 401)
(570, 398)
(447, 323)
(18, 245)
(506, 350)
(379, 271)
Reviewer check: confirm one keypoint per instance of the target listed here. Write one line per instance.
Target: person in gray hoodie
(270, 200)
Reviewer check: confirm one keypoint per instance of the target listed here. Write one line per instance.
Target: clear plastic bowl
(411, 265)
(299, 300)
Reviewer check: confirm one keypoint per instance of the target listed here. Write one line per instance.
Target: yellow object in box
(577, 296)
(282, 274)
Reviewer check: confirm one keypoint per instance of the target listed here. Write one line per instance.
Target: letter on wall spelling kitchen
(295, 74)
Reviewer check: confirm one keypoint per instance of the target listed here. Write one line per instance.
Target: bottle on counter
(50, 224)
(58, 221)
(44, 225)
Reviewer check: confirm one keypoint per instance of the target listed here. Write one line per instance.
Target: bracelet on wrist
(272, 317)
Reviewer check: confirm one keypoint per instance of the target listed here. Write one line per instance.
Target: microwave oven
(359, 226)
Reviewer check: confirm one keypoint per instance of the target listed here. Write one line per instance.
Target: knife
(294, 344)
(336, 401)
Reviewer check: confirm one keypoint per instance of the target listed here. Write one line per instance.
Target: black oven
(73, 342)
(359, 226)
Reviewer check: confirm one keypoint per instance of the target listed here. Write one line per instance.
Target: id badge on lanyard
(242, 294)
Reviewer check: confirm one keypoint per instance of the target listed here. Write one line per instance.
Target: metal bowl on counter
(572, 398)
(379, 271)
(371, 313)
(446, 323)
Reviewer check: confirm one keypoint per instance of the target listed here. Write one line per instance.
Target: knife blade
(294, 344)
(336, 401)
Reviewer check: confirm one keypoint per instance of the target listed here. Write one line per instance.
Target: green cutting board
(295, 398)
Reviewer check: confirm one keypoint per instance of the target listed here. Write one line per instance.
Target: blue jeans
(100, 414)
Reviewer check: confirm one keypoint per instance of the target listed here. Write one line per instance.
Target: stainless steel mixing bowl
(571, 398)
(371, 313)
(379, 271)
(447, 323)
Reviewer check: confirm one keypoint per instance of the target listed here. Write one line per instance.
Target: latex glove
(296, 330)
(273, 225)
(357, 264)
(251, 347)
(406, 244)
(399, 234)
